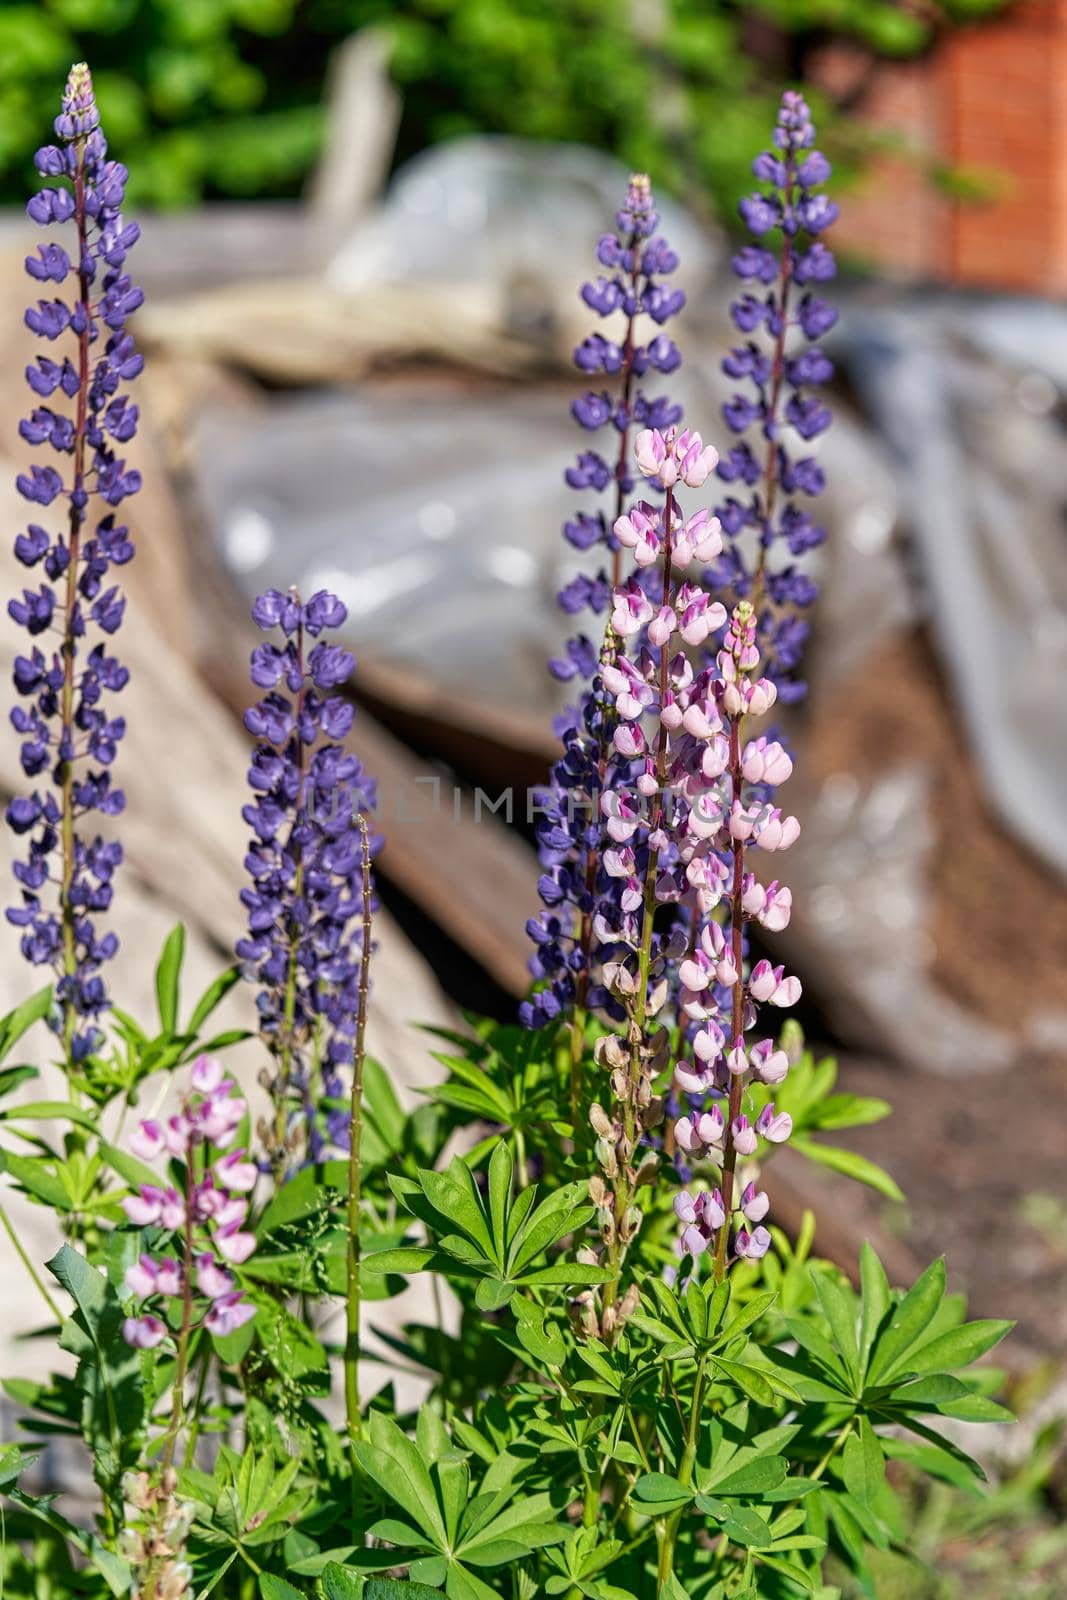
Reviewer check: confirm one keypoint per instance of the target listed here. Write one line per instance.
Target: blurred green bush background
(223, 98)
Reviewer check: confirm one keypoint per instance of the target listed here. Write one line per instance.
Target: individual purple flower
(776, 412)
(208, 1214)
(573, 885)
(69, 736)
(304, 901)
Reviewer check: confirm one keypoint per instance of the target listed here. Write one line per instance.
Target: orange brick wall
(991, 98)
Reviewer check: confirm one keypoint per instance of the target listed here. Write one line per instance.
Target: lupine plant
(638, 1386)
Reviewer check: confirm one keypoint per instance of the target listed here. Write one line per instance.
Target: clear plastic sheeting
(436, 521)
(860, 881)
(518, 217)
(983, 484)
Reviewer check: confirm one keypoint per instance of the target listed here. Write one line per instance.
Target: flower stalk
(355, 1157)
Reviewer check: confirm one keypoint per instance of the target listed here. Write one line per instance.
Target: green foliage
(223, 97)
(728, 1441)
(498, 1239)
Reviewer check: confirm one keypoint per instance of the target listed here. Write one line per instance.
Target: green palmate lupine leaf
(384, 1118)
(749, 1314)
(562, 1213)
(949, 1396)
(753, 1478)
(40, 1182)
(541, 1339)
(748, 1379)
(168, 977)
(863, 1465)
(402, 1534)
(525, 1526)
(842, 1111)
(501, 1168)
(794, 1574)
(407, 1259)
(849, 1164)
(453, 1491)
(46, 1110)
(431, 1437)
(746, 1527)
(839, 1308)
(292, 1348)
(129, 1168)
(876, 1301)
(657, 1494)
(524, 1204)
(493, 1294)
(934, 1461)
(388, 1456)
(390, 1589)
(114, 1570)
(213, 997)
(22, 1018)
(337, 1584)
(455, 1203)
(274, 1588)
(12, 1078)
(822, 1353)
(957, 1347)
(909, 1320)
(309, 1191)
(567, 1273)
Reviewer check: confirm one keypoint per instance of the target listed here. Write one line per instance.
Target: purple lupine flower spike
(573, 885)
(69, 736)
(305, 899)
(782, 367)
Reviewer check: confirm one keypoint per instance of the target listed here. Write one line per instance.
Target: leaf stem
(178, 1402)
(669, 1538)
(5, 1220)
(355, 1158)
(838, 1441)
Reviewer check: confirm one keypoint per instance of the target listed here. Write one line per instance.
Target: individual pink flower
(233, 1171)
(140, 1278)
(233, 1244)
(143, 1208)
(774, 1126)
(743, 1136)
(632, 609)
(228, 1313)
(206, 1075)
(765, 761)
(752, 1245)
(172, 1210)
(769, 985)
(662, 625)
(147, 1140)
(737, 1058)
(769, 1064)
(144, 1333)
(211, 1279)
(641, 531)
